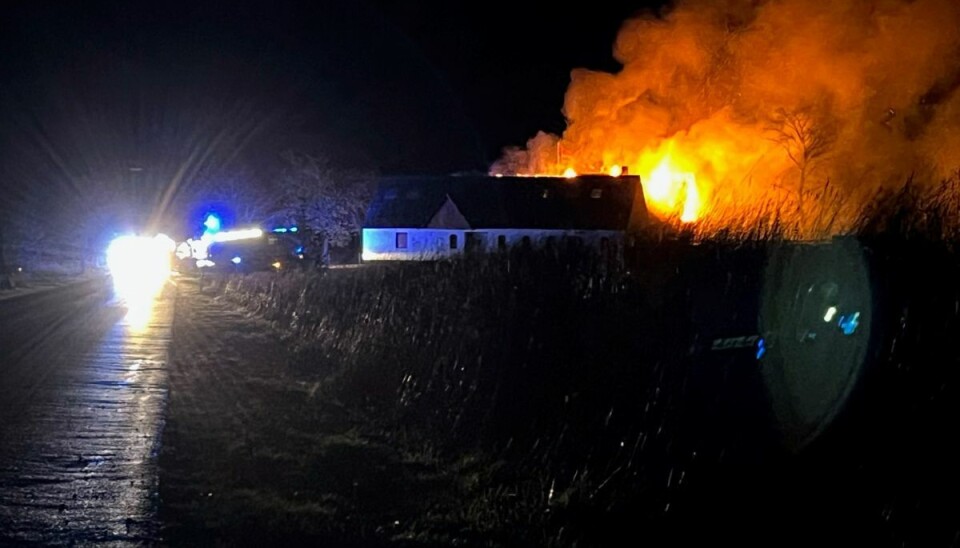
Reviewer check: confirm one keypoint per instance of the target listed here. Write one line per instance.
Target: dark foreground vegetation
(559, 400)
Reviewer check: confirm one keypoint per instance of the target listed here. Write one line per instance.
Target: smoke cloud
(749, 103)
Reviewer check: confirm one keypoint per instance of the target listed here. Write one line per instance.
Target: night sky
(90, 90)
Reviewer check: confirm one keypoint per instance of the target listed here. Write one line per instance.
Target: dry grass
(565, 402)
(919, 207)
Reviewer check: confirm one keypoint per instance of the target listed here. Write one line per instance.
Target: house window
(453, 241)
(501, 242)
(401, 240)
(596, 193)
(525, 242)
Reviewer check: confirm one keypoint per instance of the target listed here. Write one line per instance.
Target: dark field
(561, 401)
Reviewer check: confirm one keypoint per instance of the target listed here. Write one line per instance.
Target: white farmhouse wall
(380, 244)
(424, 244)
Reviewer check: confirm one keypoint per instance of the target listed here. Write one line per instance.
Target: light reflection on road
(78, 457)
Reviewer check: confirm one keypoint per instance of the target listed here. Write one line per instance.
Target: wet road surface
(82, 395)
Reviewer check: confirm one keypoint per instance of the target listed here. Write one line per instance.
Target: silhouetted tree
(806, 134)
(326, 203)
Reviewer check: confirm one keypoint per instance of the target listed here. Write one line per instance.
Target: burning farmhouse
(742, 112)
(741, 117)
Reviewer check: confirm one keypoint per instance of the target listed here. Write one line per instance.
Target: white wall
(379, 244)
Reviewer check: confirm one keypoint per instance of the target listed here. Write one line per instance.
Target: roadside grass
(521, 380)
(555, 399)
(255, 452)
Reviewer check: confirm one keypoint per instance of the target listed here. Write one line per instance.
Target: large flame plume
(733, 109)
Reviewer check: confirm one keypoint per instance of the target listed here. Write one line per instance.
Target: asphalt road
(82, 395)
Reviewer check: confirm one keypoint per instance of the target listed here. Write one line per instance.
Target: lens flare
(831, 312)
(140, 267)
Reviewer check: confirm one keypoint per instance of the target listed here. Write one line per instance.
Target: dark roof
(508, 202)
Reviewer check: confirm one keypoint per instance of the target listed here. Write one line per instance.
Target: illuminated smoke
(789, 106)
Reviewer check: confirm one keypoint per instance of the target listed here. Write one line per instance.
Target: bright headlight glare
(140, 267)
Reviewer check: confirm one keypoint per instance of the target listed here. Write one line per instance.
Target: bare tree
(326, 203)
(806, 134)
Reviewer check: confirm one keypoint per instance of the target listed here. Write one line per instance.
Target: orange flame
(672, 191)
(789, 113)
